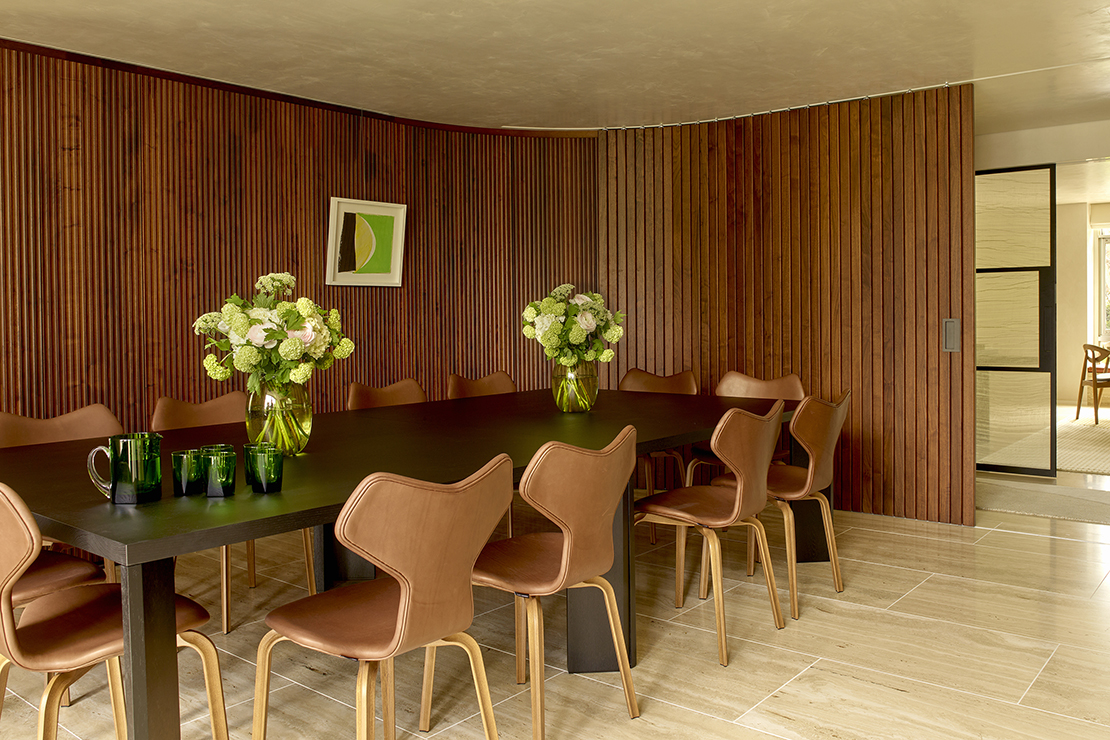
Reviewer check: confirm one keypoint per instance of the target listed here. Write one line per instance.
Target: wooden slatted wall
(131, 203)
(828, 241)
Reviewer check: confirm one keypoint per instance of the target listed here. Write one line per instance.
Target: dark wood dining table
(442, 441)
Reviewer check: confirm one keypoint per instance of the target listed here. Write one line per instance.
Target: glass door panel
(1015, 320)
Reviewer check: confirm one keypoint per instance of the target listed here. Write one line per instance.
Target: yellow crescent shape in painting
(364, 242)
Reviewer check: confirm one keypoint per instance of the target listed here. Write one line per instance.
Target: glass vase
(574, 388)
(281, 415)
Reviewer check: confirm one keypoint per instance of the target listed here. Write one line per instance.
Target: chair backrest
(745, 443)
(641, 380)
(20, 543)
(91, 421)
(579, 491)
(361, 396)
(169, 413)
(1094, 357)
(427, 537)
(788, 387)
(490, 385)
(816, 426)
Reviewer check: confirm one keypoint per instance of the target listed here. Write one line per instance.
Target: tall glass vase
(574, 388)
(281, 415)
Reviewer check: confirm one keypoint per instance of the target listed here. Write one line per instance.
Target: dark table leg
(589, 641)
(150, 651)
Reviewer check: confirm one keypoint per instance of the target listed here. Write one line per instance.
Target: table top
(440, 441)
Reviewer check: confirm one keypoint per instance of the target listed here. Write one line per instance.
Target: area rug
(1081, 446)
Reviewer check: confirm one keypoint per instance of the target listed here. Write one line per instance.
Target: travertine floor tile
(1053, 618)
(678, 664)
(579, 708)
(1090, 553)
(832, 700)
(1076, 682)
(1044, 526)
(978, 562)
(982, 661)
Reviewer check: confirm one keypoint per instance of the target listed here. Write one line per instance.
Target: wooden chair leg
(252, 576)
(680, 532)
(536, 664)
(751, 550)
(225, 588)
(111, 575)
(262, 683)
(425, 723)
(51, 701)
(65, 700)
(115, 693)
(520, 628)
(830, 539)
(718, 592)
(213, 680)
(618, 641)
(703, 581)
(759, 536)
(478, 671)
(364, 699)
(5, 666)
(791, 554)
(389, 699)
(1079, 402)
(309, 560)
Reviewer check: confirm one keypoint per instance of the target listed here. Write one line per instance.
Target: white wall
(1073, 143)
(1074, 292)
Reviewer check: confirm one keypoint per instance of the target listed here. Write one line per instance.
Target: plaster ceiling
(606, 63)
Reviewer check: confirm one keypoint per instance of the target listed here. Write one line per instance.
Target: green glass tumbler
(263, 464)
(190, 476)
(221, 473)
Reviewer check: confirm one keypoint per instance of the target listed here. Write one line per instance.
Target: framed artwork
(366, 242)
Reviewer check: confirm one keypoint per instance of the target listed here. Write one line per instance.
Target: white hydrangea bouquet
(274, 341)
(571, 326)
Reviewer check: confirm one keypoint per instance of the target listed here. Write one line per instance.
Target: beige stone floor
(997, 631)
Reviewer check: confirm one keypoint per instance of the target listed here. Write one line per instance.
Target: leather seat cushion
(528, 564)
(82, 626)
(52, 571)
(709, 506)
(356, 621)
(787, 481)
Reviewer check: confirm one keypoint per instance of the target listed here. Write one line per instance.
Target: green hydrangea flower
(276, 283)
(301, 373)
(590, 356)
(215, 370)
(291, 349)
(614, 334)
(240, 323)
(529, 331)
(305, 307)
(333, 320)
(530, 313)
(344, 349)
(325, 362)
(246, 357)
(547, 305)
(568, 359)
(229, 311)
(551, 338)
(563, 292)
(577, 334)
(606, 355)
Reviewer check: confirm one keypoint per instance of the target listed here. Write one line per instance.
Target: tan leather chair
(424, 537)
(1094, 376)
(816, 426)
(361, 396)
(490, 385)
(52, 571)
(732, 383)
(170, 413)
(65, 633)
(744, 442)
(579, 491)
(641, 381)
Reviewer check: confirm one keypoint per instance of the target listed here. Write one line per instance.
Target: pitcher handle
(104, 486)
